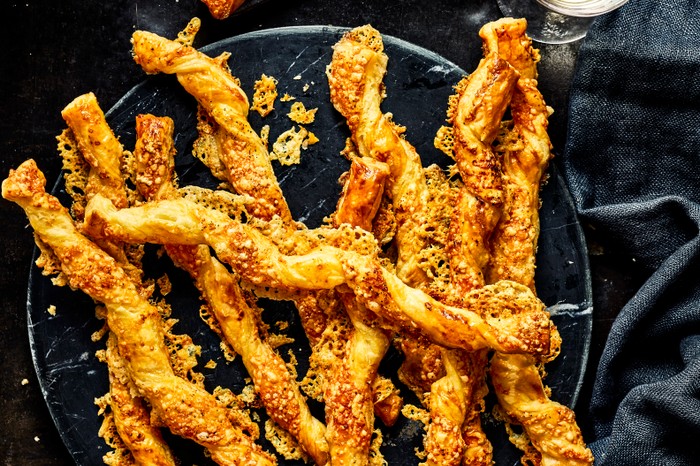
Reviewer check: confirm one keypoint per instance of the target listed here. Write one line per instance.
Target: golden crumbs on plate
(164, 285)
(264, 95)
(51, 310)
(287, 148)
(299, 114)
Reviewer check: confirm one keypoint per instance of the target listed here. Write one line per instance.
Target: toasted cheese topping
(265, 95)
(301, 115)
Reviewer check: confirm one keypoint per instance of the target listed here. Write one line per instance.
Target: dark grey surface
(57, 50)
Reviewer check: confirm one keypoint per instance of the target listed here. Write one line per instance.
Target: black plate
(418, 84)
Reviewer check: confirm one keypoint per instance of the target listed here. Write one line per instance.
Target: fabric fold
(631, 162)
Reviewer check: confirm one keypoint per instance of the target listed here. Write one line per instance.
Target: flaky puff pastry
(355, 76)
(186, 409)
(475, 112)
(513, 319)
(219, 94)
(132, 419)
(100, 149)
(348, 393)
(279, 392)
(550, 426)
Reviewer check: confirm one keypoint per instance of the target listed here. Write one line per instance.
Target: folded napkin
(632, 162)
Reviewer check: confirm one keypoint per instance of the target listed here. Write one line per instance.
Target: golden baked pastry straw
(185, 408)
(348, 392)
(355, 76)
(219, 94)
(131, 418)
(550, 427)
(279, 392)
(513, 319)
(101, 150)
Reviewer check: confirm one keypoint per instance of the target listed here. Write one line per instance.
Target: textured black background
(55, 51)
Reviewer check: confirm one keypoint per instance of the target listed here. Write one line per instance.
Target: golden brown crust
(222, 9)
(525, 147)
(550, 426)
(98, 146)
(185, 408)
(482, 99)
(241, 151)
(362, 193)
(276, 387)
(355, 76)
(131, 418)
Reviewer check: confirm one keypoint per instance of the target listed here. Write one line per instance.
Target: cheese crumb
(264, 95)
(25, 382)
(51, 310)
(287, 98)
(287, 148)
(301, 115)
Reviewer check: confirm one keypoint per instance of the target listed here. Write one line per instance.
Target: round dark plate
(418, 84)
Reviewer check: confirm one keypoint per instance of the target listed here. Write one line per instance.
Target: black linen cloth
(632, 162)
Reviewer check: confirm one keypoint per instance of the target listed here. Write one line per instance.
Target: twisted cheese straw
(104, 154)
(131, 417)
(278, 390)
(185, 408)
(550, 426)
(355, 76)
(246, 166)
(513, 320)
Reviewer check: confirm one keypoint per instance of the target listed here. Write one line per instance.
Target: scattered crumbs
(282, 324)
(306, 87)
(228, 353)
(51, 310)
(25, 382)
(299, 114)
(36, 438)
(297, 77)
(287, 148)
(310, 139)
(415, 413)
(210, 365)
(248, 395)
(276, 340)
(164, 285)
(287, 98)
(264, 95)
(265, 135)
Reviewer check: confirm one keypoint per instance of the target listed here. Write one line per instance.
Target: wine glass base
(544, 25)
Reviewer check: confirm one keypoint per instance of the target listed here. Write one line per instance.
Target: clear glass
(557, 21)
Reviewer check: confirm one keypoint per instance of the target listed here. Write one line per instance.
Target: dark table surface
(58, 50)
